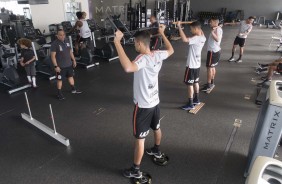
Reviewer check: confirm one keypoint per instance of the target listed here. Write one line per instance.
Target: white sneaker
(239, 61)
(231, 59)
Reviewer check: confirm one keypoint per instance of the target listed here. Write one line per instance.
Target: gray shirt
(5, 17)
(244, 29)
(62, 50)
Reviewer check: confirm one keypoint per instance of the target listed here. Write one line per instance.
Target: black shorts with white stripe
(191, 75)
(239, 41)
(212, 58)
(144, 119)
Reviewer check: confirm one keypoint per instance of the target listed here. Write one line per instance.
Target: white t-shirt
(196, 44)
(145, 83)
(213, 45)
(84, 30)
(244, 28)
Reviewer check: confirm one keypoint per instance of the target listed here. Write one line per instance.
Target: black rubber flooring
(98, 123)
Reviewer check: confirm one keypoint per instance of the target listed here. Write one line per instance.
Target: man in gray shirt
(5, 17)
(64, 62)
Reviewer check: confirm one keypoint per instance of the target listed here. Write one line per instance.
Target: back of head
(24, 41)
(215, 20)
(153, 18)
(196, 24)
(60, 31)
(143, 36)
(79, 15)
(2, 10)
(252, 17)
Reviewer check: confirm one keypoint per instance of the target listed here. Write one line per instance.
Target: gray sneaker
(61, 96)
(132, 173)
(151, 151)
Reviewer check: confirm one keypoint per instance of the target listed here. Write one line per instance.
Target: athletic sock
(264, 65)
(60, 92)
(29, 78)
(240, 57)
(232, 54)
(136, 167)
(190, 101)
(156, 148)
(212, 81)
(72, 87)
(33, 81)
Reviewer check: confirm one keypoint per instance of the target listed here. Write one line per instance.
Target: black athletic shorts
(240, 41)
(144, 119)
(191, 75)
(212, 58)
(65, 73)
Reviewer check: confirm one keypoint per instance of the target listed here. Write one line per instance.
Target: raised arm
(181, 32)
(215, 36)
(231, 23)
(168, 45)
(127, 65)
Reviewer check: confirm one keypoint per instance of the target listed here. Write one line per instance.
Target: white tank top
(84, 30)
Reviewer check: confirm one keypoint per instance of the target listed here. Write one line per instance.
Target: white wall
(12, 5)
(53, 13)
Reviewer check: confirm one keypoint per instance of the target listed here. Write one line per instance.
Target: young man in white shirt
(84, 31)
(213, 55)
(244, 29)
(146, 114)
(193, 64)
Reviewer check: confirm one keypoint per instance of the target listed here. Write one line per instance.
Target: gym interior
(87, 136)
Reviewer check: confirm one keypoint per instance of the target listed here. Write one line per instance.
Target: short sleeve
(163, 54)
(53, 47)
(140, 62)
(193, 40)
(219, 32)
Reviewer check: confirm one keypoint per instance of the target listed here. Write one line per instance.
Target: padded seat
(5, 56)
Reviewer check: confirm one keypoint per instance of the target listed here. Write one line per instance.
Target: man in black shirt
(64, 62)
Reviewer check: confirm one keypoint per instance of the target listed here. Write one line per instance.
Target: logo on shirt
(151, 86)
(154, 93)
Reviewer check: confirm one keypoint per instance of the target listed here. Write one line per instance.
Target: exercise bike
(44, 63)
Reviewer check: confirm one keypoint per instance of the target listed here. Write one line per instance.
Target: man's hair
(252, 17)
(143, 36)
(79, 15)
(60, 30)
(24, 41)
(195, 24)
(215, 19)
